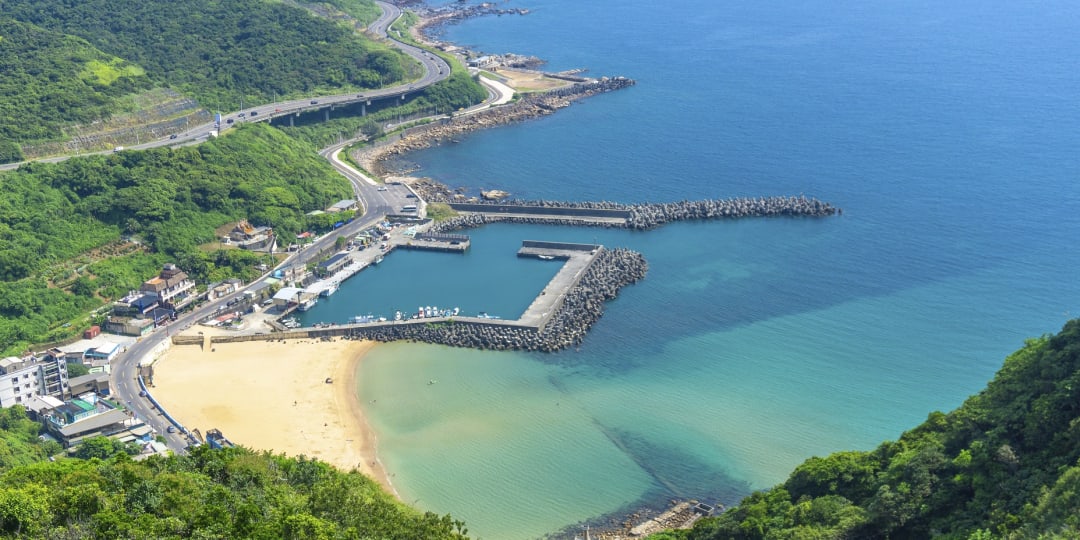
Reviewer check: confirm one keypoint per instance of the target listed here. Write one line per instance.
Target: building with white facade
(171, 287)
(24, 378)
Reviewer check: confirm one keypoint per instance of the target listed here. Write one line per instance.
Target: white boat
(329, 290)
(456, 311)
(377, 260)
(546, 257)
(308, 304)
(397, 315)
(361, 319)
(484, 315)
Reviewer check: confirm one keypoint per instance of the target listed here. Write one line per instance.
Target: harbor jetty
(628, 216)
(591, 276)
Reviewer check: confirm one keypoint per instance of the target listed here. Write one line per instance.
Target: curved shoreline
(272, 396)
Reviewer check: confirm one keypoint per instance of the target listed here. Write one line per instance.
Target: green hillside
(86, 70)
(51, 80)
(1003, 465)
(169, 200)
(230, 493)
(220, 52)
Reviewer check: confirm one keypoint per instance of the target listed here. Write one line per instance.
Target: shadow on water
(677, 475)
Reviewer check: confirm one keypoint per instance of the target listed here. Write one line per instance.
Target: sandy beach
(273, 395)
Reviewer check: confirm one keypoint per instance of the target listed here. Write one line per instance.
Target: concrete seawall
(639, 216)
(564, 324)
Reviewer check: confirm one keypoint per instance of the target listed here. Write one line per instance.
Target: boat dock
(451, 243)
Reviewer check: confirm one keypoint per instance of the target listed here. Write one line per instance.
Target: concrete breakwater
(581, 307)
(528, 107)
(639, 216)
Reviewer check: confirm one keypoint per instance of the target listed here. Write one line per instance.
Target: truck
(216, 439)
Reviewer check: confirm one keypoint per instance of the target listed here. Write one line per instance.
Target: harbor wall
(572, 246)
(637, 216)
(545, 210)
(581, 307)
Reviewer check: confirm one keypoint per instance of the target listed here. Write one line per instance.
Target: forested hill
(68, 62)
(62, 225)
(50, 79)
(219, 51)
(230, 493)
(1003, 465)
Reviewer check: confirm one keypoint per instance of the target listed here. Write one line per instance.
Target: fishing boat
(484, 315)
(546, 257)
(397, 315)
(308, 304)
(329, 290)
(362, 319)
(377, 260)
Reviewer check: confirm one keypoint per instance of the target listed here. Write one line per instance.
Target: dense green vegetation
(220, 52)
(19, 442)
(51, 80)
(171, 200)
(1003, 465)
(363, 12)
(232, 493)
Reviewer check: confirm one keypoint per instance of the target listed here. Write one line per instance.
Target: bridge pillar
(363, 109)
(292, 119)
(326, 115)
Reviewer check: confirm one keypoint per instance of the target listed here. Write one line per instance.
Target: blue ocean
(948, 134)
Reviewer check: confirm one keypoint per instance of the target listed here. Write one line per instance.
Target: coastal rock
(494, 195)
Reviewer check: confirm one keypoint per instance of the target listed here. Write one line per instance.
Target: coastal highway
(124, 368)
(377, 201)
(435, 69)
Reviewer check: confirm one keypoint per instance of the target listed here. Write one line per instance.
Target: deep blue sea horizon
(947, 133)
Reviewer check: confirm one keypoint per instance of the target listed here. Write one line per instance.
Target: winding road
(435, 70)
(377, 201)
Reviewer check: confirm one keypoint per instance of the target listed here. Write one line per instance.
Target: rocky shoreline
(373, 158)
(583, 305)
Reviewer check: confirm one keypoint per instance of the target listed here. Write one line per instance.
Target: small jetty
(447, 242)
(558, 318)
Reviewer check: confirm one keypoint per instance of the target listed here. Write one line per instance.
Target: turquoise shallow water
(947, 134)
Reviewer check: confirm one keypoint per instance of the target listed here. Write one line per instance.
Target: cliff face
(1003, 465)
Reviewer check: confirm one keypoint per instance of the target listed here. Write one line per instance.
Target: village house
(247, 236)
(342, 205)
(172, 287)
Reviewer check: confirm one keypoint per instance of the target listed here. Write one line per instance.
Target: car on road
(173, 136)
(241, 115)
(253, 113)
(171, 429)
(382, 188)
(142, 393)
(410, 195)
(314, 102)
(229, 121)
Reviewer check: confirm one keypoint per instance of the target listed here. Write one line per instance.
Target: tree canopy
(1003, 465)
(170, 200)
(227, 493)
(70, 63)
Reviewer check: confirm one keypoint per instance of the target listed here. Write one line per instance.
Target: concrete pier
(558, 318)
